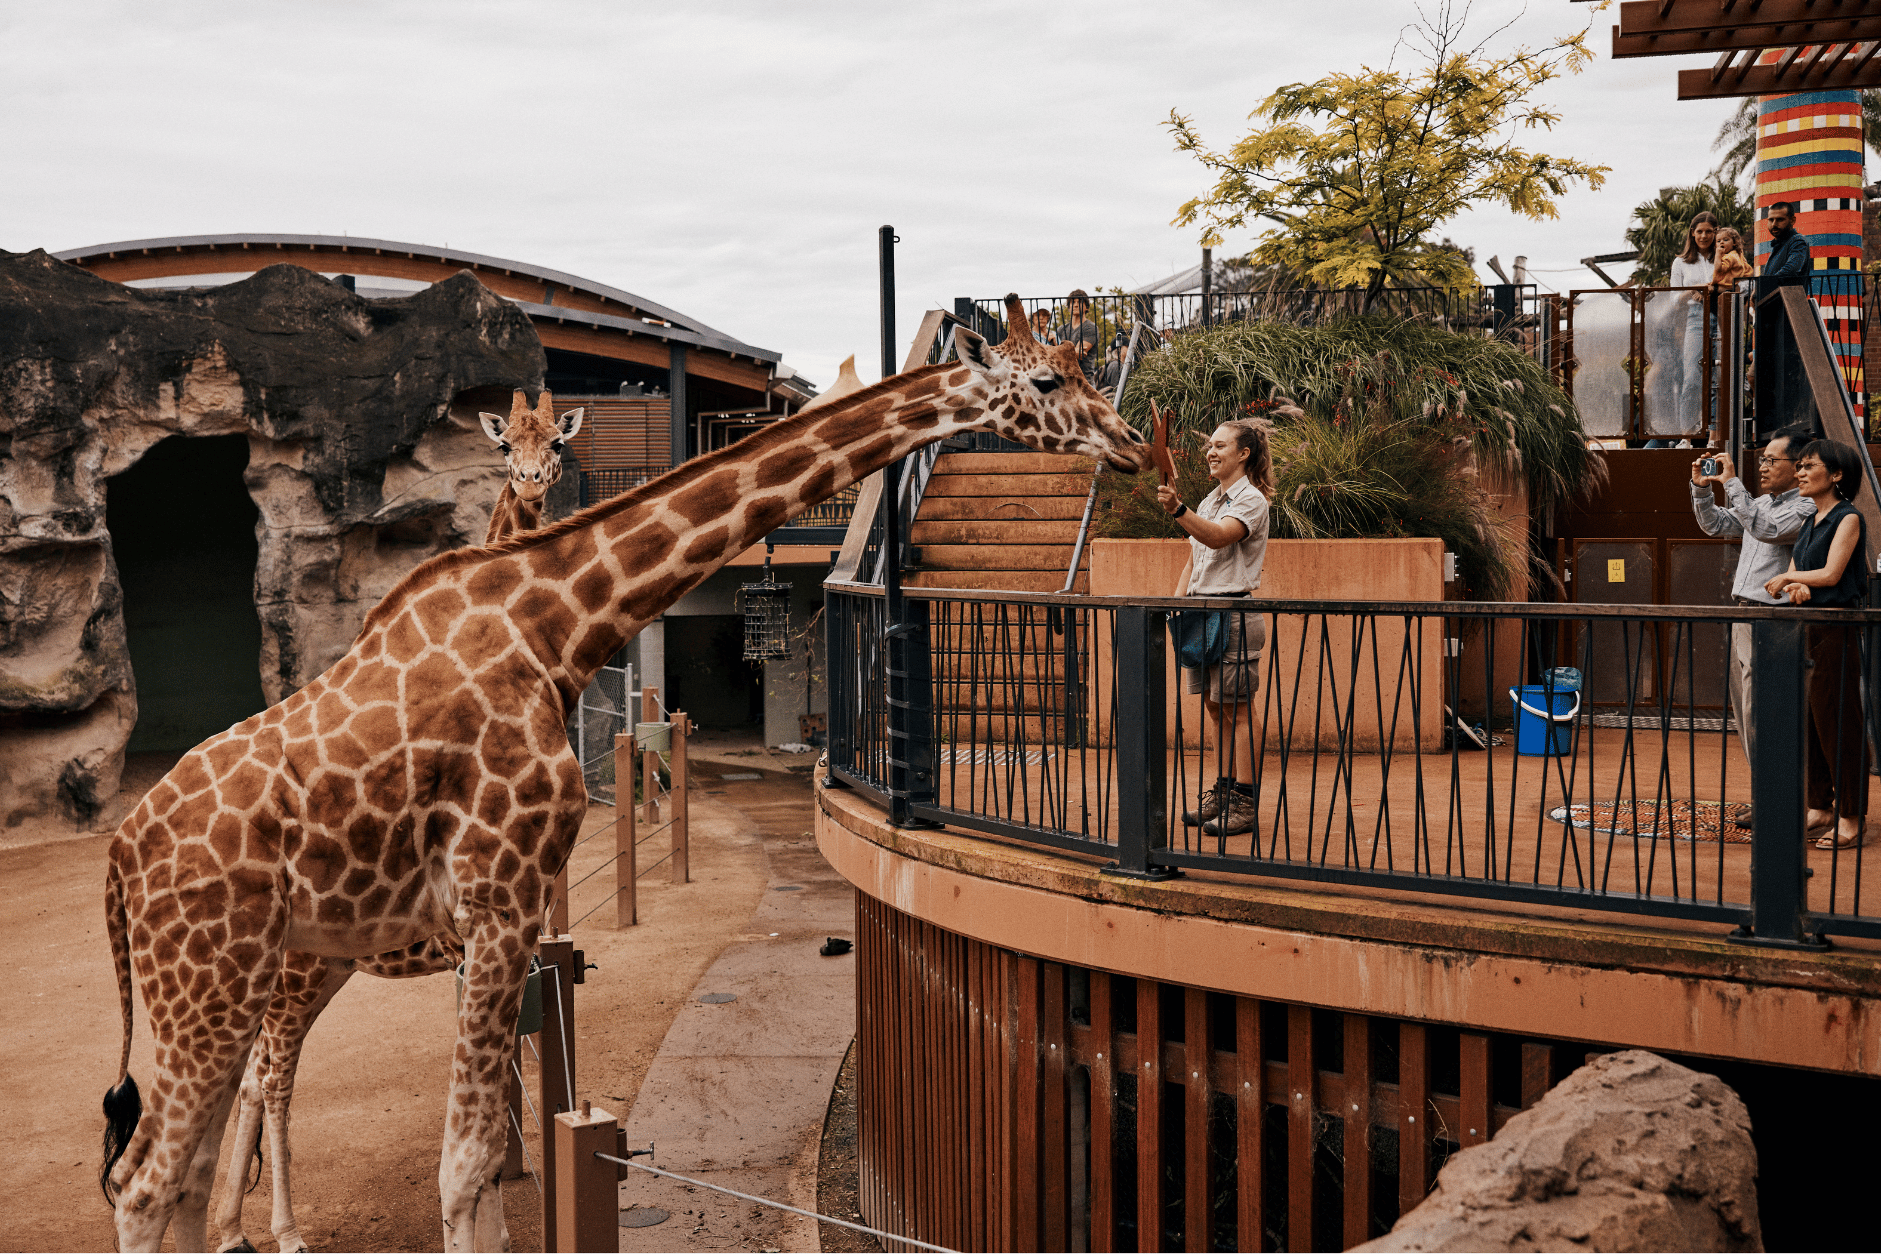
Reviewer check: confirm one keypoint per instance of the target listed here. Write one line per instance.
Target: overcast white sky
(733, 160)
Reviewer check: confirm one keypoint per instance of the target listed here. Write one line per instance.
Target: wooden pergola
(1820, 45)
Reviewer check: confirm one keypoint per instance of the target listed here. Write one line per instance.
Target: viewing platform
(1076, 1012)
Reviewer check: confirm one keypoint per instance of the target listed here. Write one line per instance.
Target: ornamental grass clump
(1382, 444)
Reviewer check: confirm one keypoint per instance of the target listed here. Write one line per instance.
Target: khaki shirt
(1235, 569)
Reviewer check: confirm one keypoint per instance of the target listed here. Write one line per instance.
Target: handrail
(1090, 499)
(1428, 609)
(1825, 386)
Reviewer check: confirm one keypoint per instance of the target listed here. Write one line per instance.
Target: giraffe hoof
(244, 1246)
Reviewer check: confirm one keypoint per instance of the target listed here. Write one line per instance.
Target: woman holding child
(1829, 570)
(1227, 533)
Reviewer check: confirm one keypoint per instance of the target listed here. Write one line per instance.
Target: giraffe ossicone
(423, 785)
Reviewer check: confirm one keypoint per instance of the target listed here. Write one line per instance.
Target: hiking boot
(1238, 816)
(1208, 805)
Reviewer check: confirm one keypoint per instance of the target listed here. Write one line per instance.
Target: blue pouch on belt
(1201, 637)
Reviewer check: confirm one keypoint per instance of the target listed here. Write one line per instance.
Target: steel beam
(1663, 17)
(1852, 69)
(1725, 38)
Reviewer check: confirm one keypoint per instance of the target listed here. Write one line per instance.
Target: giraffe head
(1039, 397)
(531, 440)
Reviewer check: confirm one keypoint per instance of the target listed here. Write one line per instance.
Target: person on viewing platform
(1693, 268)
(1042, 326)
(1077, 328)
(1829, 570)
(1113, 369)
(1731, 264)
(1788, 263)
(1767, 526)
(1227, 533)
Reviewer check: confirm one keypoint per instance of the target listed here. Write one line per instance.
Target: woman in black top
(1829, 569)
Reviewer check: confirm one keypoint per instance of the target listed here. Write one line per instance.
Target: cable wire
(765, 1201)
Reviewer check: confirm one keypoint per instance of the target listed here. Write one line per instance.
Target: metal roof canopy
(691, 330)
(1827, 45)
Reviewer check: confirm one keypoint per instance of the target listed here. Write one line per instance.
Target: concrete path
(738, 1091)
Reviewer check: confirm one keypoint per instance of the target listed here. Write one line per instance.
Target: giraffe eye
(1048, 385)
(505, 448)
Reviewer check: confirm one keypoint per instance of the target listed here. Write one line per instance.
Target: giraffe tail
(123, 1105)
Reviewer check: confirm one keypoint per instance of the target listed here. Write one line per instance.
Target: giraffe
(531, 440)
(424, 783)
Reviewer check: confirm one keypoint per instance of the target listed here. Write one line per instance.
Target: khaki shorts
(1238, 675)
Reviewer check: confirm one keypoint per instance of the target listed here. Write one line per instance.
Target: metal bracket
(1152, 873)
(1817, 942)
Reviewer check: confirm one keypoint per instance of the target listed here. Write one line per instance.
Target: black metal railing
(1496, 309)
(1056, 721)
(601, 485)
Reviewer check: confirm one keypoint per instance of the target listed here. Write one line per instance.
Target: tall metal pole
(1207, 268)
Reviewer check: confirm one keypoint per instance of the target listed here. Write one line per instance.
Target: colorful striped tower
(1809, 152)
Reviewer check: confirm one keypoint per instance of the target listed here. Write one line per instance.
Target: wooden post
(587, 1197)
(681, 836)
(649, 761)
(626, 876)
(558, 1061)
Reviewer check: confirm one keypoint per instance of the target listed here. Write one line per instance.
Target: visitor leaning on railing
(1829, 570)
(1227, 533)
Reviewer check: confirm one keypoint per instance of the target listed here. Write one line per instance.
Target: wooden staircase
(1001, 520)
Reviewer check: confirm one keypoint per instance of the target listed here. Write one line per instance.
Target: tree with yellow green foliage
(1357, 171)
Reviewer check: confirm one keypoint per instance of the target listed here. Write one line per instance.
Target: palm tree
(1738, 136)
(1658, 229)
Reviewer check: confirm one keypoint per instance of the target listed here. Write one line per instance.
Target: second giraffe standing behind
(1227, 533)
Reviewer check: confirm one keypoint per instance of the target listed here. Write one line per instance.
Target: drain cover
(788, 888)
(643, 1217)
(718, 999)
(743, 775)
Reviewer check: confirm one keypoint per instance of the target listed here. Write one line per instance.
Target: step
(993, 580)
(1022, 530)
(1020, 487)
(992, 508)
(998, 557)
(1011, 464)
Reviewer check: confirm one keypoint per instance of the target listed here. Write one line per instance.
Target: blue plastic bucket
(1544, 719)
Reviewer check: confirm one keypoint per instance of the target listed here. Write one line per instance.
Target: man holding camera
(1767, 525)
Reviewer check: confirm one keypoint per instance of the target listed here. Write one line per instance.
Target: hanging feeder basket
(766, 607)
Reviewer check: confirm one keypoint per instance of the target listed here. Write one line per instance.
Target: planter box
(1312, 690)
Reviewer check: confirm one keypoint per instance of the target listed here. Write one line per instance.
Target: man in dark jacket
(1788, 263)
(1782, 392)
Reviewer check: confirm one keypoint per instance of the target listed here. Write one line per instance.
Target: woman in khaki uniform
(1227, 533)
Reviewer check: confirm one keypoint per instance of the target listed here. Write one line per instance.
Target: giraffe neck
(583, 587)
(512, 515)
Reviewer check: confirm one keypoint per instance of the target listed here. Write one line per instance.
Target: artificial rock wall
(364, 459)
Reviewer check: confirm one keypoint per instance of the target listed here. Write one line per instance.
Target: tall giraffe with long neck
(424, 783)
(531, 441)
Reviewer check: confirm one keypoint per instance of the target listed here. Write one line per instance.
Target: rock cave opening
(183, 536)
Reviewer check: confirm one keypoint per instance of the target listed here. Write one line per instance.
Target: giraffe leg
(476, 1127)
(165, 1174)
(190, 1226)
(246, 1144)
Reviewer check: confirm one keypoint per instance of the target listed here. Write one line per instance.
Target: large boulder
(359, 463)
(1631, 1152)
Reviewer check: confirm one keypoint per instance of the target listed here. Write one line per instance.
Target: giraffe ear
(570, 423)
(493, 426)
(973, 349)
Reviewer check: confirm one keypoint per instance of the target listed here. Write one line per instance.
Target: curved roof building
(598, 339)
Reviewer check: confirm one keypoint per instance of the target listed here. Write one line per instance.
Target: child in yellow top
(1731, 262)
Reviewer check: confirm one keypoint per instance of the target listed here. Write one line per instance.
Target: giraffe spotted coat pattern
(424, 784)
(531, 441)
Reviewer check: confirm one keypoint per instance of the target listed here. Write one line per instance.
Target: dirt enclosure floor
(368, 1109)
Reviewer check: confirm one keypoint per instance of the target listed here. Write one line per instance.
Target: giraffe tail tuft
(123, 1105)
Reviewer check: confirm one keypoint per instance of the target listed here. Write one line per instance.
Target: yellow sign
(1616, 570)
